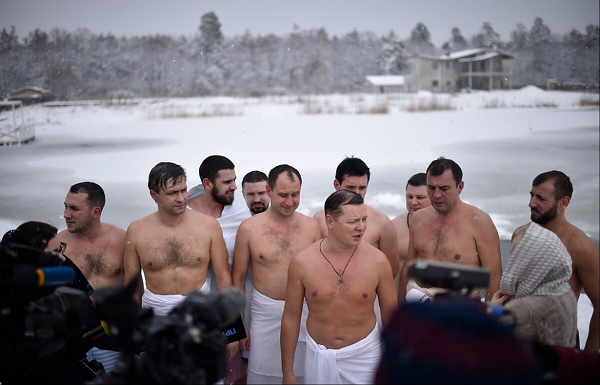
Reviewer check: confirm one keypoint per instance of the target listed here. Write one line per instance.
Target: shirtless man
(451, 230)
(96, 248)
(254, 190)
(217, 174)
(352, 174)
(339, 277)
(270, 240)
(550, 196)
(416, 199)
(174, 245)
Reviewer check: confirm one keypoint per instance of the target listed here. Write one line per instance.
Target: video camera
(42, 323)
(187, 345)
(457, 279)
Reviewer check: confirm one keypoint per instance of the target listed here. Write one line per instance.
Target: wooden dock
(13, 129)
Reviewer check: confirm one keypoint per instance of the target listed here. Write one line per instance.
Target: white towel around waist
(354, 364)
(163, 303)
(265, 332)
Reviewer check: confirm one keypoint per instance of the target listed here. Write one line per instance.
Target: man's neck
(557, 225)
(170, 220)
(91, 232)
(337, 247)
(280, 219)
(206, 205)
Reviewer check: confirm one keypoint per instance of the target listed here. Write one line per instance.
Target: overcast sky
(182, 17)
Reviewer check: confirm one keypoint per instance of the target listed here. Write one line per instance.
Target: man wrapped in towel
(270, 240)
(339, 276)
(536, 280)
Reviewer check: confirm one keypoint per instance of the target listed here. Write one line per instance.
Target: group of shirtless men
(313, 282)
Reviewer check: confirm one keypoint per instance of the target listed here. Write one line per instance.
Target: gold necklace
(341, 279)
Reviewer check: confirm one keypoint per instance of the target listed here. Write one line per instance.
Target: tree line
(83, 65)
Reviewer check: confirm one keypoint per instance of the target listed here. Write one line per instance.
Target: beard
(546, 217)
(220, 199)
(258, 208)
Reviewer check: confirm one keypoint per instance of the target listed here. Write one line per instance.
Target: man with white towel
(339, 277)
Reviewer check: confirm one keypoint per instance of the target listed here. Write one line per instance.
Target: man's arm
(131, 262)
(386, 292)
(487, 243)
(585, 261)
(290, 320)
(410, 255)
(241, 261)
(218, 256)
(388, 243)
(320, 217)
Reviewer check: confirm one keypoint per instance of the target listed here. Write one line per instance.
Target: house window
(434, 64)
(447, 64)
(434, 83)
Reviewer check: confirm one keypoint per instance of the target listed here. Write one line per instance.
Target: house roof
(33, 88)
(488, 55)
(470, 53)
(388, 80)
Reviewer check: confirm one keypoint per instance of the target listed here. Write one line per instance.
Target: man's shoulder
(578, 243)
(400, 222)
(378, 217)
(113, 230)
(319, 215)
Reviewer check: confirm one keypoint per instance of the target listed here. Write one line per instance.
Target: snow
(501, 139)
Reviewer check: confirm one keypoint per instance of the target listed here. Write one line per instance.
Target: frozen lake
(500, 150)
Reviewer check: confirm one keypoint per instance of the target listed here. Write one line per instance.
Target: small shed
(385, 84)
(31, 94)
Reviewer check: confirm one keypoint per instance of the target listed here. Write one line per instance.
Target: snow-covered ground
(501, 139)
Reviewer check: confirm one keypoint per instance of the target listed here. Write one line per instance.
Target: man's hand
(232, 349)
(245, 343)
(499, 299)
(289, 379)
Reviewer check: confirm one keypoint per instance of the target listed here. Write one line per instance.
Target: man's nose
(233, 186)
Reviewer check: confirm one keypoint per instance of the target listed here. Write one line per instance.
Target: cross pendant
(341, 281)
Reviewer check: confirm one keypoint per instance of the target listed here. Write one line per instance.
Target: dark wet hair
(211, 166)
(278, 170)
(417, 180)
(334, 204)
(254, 177)
(162, 173)
(34, 234)
(352, 166)
(95, 193)
(441, 164)
(562, 183)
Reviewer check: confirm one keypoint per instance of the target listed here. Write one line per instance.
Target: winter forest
(83, 65)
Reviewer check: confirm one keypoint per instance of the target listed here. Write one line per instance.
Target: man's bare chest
(450, 242)
(170, 251)
(102, 259)
(274, 247)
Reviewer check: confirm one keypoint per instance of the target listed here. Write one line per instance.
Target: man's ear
(563, 202)
(329, 221)
(97, 211)
(461, 185)
(153, 195)
(207, 184)
(269, 191)
(336, 185)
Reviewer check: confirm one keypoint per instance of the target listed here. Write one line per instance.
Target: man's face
(416, 198)
(172, 200)
(224, 187)
(443, 192)
(256, 196)
(285, 196)
(351, 225)
(78, 214)
(543, 205)
(357, 184)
